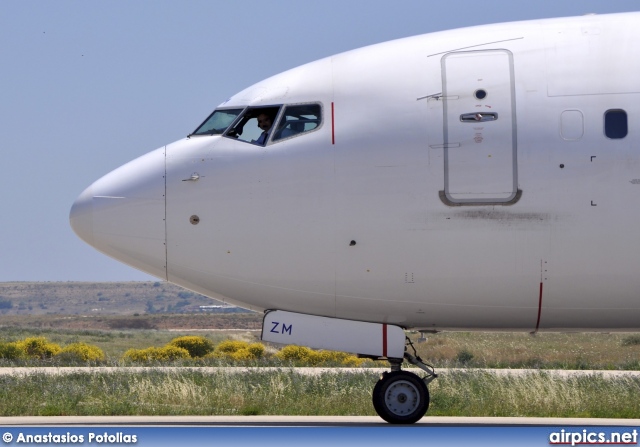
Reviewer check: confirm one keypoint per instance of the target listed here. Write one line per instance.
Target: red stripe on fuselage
(539, 308)
(384, 340)
(333, 131)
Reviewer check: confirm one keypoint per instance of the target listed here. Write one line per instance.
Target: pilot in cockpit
(264, 122)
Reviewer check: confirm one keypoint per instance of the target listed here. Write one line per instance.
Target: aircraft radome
(485, 178)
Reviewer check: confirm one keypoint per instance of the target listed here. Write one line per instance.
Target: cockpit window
(217, 122)
(255, 126)
(261, 125)
(298, 119)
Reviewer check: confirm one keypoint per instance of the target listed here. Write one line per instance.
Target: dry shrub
(164, 354)
(196, 345)
(307, 356)
(11, 351)
(256, 350)
(295, 353)
(81, 352)
(38, 347)
(231, 346)
(238, 350)
(631, 340)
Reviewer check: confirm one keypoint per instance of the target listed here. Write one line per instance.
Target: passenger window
(297, 120)
(615, 124)
(255, 126)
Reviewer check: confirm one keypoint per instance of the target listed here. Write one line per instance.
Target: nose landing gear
(402, 397)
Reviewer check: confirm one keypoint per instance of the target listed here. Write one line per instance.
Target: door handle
(478, 117)
(194, 177)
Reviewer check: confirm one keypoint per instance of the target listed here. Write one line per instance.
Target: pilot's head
(264, 122)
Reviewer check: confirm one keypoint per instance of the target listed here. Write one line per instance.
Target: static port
(480, 94)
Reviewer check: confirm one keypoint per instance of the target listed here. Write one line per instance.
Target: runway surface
(301, 421)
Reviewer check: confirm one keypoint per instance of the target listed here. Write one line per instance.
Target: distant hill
(103, 298)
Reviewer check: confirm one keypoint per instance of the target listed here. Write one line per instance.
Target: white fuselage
(418, 201)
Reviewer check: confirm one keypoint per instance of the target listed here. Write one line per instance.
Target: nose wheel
(400, 397)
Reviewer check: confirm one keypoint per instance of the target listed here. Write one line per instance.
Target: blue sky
(87, 86)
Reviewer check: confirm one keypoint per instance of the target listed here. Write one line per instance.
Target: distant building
(220, 308)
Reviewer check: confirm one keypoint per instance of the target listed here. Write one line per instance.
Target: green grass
(193, 392)
(631, 340)
(521, 350)
(467, 393)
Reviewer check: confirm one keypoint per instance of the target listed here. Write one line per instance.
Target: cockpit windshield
(263, 125)
(217, 122)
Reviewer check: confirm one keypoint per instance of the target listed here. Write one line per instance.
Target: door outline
(462, 85)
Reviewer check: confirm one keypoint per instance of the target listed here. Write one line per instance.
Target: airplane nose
(123, 214)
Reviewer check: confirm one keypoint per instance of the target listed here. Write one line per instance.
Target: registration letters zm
(281, 328)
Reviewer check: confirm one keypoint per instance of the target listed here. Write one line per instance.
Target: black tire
(400, 397)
